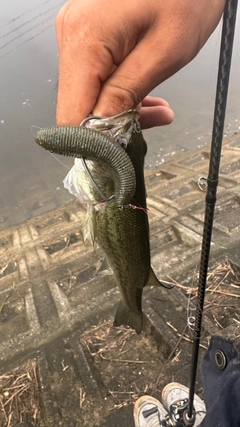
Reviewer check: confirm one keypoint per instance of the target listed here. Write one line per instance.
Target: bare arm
(113, 53)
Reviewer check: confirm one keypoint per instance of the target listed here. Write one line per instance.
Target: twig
(17, 392)
(221, 281)
(184, 337)
(63, 249)
(3, 409)
(6, 298)
(229, 294)
(217, 322)
(82, 395)
(123, 360)
(9, 420)
(121, 392)
(178, 342)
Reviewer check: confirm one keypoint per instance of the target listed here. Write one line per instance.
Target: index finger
(79, 86)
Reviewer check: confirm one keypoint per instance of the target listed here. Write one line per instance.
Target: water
(31, 179)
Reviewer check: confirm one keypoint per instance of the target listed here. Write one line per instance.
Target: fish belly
(123, 236)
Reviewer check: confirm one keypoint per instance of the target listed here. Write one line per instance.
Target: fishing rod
(228, 30)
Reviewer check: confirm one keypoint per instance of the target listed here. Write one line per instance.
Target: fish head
(125, 129)
(120, 127)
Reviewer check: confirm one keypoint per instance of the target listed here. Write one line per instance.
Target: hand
(154, 112)
(112, 54)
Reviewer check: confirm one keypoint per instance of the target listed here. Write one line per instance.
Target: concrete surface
(56, 311)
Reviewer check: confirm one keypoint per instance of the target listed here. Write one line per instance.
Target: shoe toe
(175, 391)
(148, 412)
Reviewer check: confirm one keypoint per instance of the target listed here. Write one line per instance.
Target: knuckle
(124, 97)
(68, 19)
(119, 99)
(60, 17)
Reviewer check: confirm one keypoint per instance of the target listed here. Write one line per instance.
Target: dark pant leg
(220, 372)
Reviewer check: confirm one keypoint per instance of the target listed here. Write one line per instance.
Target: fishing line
(27, 40)
(190, 323)
(212, 74)
(28, 11)
(105, 199)
(28, 22)
(59, 161)
(32, 28)
(135, 207)
(49, 152)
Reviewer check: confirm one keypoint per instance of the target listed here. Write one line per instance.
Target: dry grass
(221, 296)
(19, 397)
(114, 347)
(223, 279)
(101, 341)
(223, 286)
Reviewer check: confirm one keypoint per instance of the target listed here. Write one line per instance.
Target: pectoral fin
(153, 281)
(89, 228)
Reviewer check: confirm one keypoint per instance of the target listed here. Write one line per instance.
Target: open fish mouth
(118, 127)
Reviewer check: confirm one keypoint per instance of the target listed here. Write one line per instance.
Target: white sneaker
(149, 412)
(175, 393)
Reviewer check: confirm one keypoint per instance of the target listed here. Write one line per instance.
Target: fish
(113, 186)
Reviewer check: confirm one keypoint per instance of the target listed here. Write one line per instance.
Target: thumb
(140, 72)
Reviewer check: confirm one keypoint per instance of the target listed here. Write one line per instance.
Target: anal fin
(105, 268)
(153, 281)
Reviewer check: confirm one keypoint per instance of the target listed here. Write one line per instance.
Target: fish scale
(127, 243)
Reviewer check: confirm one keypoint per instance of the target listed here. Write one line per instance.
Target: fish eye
(121, 142)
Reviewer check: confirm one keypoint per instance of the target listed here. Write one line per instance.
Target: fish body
(123, 234)
(120, 223)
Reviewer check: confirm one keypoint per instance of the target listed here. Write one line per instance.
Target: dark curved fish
(121, 228)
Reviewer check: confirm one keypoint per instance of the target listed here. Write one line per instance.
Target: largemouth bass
(114, 188)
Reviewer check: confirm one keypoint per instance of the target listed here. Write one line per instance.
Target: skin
(112, 54)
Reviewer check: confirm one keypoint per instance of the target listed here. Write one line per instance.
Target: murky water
(31, 179)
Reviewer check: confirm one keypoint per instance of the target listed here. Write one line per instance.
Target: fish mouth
(119, 127)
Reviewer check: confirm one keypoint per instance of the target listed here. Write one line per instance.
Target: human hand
(112, 54)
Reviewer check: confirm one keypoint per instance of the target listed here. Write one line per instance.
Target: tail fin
(153, 281)
(124, 316)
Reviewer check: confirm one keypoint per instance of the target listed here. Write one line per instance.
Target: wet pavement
(56, 313)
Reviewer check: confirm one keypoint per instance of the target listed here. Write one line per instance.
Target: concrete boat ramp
(61, 361)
